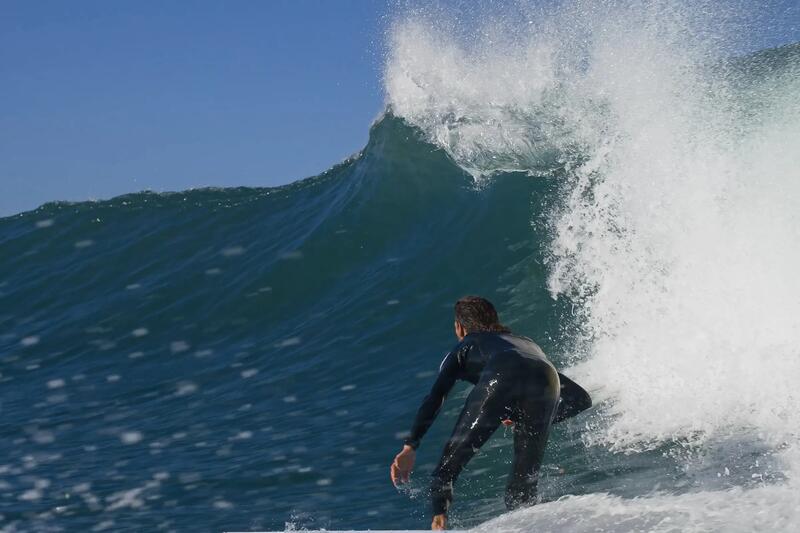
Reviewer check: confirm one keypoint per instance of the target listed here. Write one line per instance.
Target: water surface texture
(235, 359)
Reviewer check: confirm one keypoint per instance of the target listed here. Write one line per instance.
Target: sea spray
(675, 238)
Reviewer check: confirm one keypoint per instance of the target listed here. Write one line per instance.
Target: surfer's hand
(403, 465)
(439, 522)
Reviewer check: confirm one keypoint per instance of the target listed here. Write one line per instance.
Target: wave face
(246, 358)
(249, 358)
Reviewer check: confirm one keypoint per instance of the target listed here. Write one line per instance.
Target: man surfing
(515, 384)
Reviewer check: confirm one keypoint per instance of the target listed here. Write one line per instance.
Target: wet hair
(478, 314)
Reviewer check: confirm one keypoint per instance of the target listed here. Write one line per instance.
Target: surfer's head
(474, 314)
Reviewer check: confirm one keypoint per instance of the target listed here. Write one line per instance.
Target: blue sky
(99, 98)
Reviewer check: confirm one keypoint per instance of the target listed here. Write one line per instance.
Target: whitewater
(250, 358)
(676, 237)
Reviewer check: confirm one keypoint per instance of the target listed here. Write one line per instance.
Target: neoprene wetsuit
(513, 380)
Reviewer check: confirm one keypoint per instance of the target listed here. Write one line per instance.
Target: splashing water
(677, 235)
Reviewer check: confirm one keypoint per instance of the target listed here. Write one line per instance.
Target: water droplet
(291, 341)
(131, 437)
(292, 255)
(30, 341)
(31, 495)
(222, 504)
(178, 346)
(233, 251)
(186, 387)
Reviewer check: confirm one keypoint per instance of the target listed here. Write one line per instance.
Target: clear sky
(99, 98)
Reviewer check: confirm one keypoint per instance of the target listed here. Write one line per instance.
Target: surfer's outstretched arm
(574, 399)
(432, 404)
(403, 463)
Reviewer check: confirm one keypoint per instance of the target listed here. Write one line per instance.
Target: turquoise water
(247, 358)
(234, 359)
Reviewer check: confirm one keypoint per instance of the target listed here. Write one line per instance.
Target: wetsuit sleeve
(574, 399)
(448, 374)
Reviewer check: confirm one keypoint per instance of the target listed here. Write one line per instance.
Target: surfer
(515, 384)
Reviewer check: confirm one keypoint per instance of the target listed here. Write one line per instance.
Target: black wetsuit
(513, 380)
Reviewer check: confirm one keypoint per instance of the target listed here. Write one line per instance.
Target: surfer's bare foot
(439, 522)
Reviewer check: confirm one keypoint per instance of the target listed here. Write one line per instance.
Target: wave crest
(678, 170)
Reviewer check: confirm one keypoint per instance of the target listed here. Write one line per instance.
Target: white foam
(680, 225)
(677, 238)
(736, 510)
